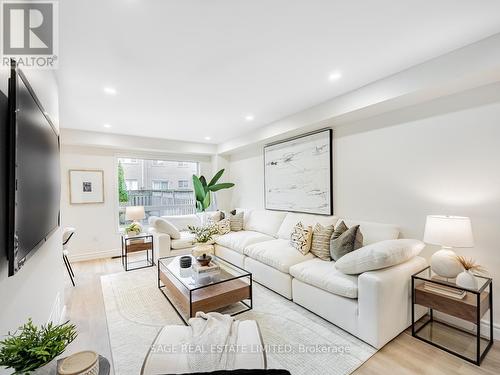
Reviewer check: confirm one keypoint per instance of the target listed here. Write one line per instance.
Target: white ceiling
(186, 70)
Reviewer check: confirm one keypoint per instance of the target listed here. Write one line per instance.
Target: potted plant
(133, 229)
(31, 347)
(466, 278)
(203, 191)
(203, 237)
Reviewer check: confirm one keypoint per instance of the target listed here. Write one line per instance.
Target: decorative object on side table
(466, 278)
(448, 232)
(136, 243)
(102, 369)
(449, 299)
(135, 214)
(31, 347)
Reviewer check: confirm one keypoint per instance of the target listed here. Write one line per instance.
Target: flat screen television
(33, 191)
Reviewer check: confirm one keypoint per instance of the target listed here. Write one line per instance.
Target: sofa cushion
(292, 218)
(164, 226)
(181, 222)
(238, 241)
(278, 254)
(379, 255)
(374, 232)
(264, 221)
(301, 238)
(347, 240)
(186, 240)
(321, 241)
(236, 221)
(324, 275)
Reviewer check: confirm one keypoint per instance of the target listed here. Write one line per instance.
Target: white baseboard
(485, 327)
(485, 324)
(94, 255)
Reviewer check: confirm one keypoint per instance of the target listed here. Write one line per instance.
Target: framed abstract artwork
(86, 186)
(298, 174)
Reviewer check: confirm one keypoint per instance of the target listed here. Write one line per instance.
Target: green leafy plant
(134, 227)
(122, 186)
(203, 234)
(203, 190)
(31, 347)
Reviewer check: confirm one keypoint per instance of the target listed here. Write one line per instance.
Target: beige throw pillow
(301, 238)
(223, 226)
(236, 221)
(164, 226)
(321, 241)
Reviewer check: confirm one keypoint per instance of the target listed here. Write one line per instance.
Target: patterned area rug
(304, 342)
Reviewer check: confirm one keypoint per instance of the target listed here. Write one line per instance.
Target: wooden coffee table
(227, 291)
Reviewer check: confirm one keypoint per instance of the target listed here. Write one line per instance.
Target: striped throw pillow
(236, 221)
(321, 241)
(301, 237)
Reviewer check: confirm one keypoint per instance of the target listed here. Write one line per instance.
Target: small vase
(466, 279)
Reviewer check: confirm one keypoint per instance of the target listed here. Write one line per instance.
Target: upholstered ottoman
(168, 356)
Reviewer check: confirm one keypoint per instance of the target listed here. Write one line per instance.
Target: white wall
(402, 166)
(36, 291)
(96, 225)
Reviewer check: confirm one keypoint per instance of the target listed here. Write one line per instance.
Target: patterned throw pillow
(301, 238)
(344, 240)
(236, 221)
(321, 241)
(223, 226)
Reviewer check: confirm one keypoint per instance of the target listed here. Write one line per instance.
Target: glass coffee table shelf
(229, 290)
(453, 319)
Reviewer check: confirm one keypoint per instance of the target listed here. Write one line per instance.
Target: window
(132, 184)
(160, 185)
(159, 163)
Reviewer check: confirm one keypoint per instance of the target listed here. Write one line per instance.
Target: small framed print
(86, 186)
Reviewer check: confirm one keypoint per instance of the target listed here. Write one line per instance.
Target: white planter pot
(203, 248)
(466, 279)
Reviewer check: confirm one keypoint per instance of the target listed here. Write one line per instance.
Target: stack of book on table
(205, 272)
(445, 290)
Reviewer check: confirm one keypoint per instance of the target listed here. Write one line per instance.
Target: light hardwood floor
(403, 356)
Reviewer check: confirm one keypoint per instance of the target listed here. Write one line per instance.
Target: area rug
(295, 339)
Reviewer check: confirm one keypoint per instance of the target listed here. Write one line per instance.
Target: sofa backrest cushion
(291, 218)
(181, 222)
(374, 232)
(379, 255)
(264, 221)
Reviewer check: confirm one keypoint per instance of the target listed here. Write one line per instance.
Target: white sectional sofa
(374, 306)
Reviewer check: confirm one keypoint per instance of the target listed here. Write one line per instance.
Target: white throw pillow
(379, 255)
(165, 226)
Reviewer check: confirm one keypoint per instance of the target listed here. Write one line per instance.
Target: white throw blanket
(213, 335)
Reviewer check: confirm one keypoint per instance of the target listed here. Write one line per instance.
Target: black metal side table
(132, 244)
(444, 298)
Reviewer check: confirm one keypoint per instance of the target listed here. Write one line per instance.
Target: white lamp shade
(135, 213)
(448, 231)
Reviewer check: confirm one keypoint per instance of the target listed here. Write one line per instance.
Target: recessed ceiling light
(207, 138)
(110, 90)
(107, 126)
(249, 117)
(335, 76)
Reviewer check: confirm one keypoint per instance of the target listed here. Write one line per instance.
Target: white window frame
(161, 182)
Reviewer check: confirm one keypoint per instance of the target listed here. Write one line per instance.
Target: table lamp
(448, 232)
(135, 214)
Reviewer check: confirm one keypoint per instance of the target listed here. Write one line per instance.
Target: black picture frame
(329, 132)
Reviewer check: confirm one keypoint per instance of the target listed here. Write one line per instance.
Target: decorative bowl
(204, 259)
(82, 363)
